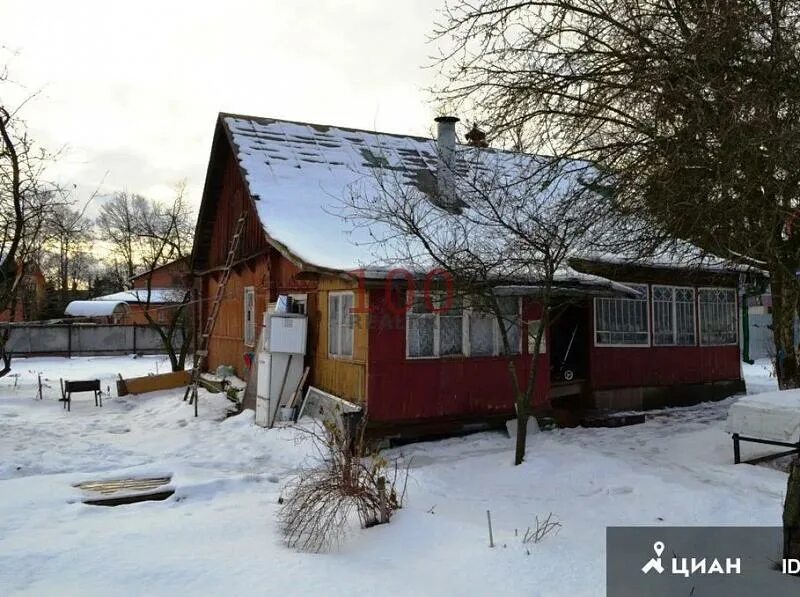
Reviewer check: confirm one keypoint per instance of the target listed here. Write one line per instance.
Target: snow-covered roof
(140, 295)
(299, 174)
(95, 308)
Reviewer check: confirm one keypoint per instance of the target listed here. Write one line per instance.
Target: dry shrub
(346, 479)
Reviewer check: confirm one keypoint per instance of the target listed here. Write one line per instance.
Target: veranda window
(717, 309)
(673, 316)
(436, 328)
(622, 321)
(340, 324)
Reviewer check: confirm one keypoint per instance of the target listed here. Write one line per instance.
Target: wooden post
(134, 338)
(737, 454)
(69, 341)
(383, 515)
(489, 520)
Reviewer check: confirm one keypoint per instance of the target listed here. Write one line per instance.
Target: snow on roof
(299, 174)
(140, 295)
(771, 415)
(95, 308)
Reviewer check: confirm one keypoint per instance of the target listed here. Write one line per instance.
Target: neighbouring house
(30, 297)
(168, 285)
(675, 341)
(174, 274)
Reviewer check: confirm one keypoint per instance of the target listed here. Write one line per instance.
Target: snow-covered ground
(217, 534)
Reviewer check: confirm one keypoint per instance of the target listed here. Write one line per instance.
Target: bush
(347, 480)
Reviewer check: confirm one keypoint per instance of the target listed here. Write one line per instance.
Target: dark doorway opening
(569, 333)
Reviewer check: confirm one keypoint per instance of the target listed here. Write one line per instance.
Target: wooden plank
(152, 383)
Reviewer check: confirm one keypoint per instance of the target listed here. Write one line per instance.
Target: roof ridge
(324, 127)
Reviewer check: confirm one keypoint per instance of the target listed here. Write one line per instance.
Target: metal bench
(70, 387)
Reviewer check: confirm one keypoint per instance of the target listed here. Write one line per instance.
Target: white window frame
(250, 326)
(695, 313)
(647, 344)
(735, 315)
(411, 297)
(466, 349)
(342, 327)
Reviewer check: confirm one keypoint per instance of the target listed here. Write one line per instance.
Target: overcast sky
(132, 89)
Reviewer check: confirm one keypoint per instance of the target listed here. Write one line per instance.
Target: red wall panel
(620, 367)
(401, 389)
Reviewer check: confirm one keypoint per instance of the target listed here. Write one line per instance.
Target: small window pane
(420, 335)
(622, 320)
(333, 324)
(718, 319)
(481, 334)
(346, 326)
(509, 308)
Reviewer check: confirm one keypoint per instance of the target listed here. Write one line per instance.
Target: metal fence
(85, 339)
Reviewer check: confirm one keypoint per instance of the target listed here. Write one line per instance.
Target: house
(670, 338)
(30, 297)
(168, 285)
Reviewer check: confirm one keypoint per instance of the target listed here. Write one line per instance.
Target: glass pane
(450, 336)
(481, 334)
(420, 335)
(333, 324)
(622, 320)
(509, 307)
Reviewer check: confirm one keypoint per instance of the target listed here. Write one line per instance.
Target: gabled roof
(297, 175)
(179, 265)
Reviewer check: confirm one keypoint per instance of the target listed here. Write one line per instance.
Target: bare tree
(24, 198)
(503, 225)
(165, 235)
(689, 113)
(120, 225)
(68, 239)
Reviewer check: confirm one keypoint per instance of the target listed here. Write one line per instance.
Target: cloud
(134, 89)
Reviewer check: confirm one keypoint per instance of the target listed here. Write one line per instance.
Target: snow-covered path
(217, 535)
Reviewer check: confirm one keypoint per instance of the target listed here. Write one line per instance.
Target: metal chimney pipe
(446, 142)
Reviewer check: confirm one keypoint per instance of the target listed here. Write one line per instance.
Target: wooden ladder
(201, 352)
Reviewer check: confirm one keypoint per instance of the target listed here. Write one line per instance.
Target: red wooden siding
(401, 389)
(622, 367)
(232, 199)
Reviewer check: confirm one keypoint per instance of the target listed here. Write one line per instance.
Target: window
(533, 329)
(297, 303)
(622, 321)
(422, 335)
(509, 309)
(673, 316)
(249, 316)
(435, 328)
(717, 308)
(340, 324)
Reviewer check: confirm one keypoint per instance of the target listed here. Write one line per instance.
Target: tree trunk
(522, 428)
(791, 513)
(784, 308)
